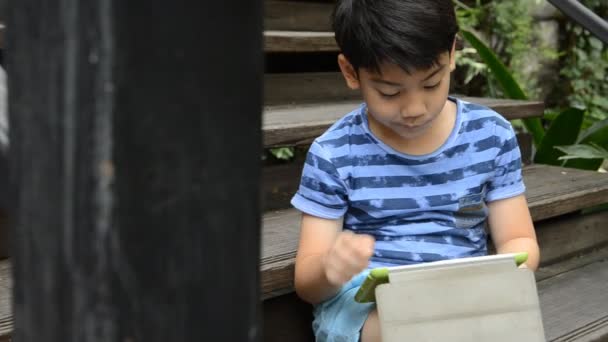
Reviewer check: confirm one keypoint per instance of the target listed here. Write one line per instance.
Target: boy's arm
(327, 258)
(512, 229)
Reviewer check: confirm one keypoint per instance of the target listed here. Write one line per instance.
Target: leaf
(282, 153)
(507, 82)
(596, 134)
(583, 152)
(563, 131)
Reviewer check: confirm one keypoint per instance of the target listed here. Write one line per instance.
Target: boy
(411, 176)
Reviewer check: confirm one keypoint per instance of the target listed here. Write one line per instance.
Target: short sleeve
(507, 180)
(322, 192)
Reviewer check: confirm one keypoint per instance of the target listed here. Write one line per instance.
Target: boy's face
(407, 105)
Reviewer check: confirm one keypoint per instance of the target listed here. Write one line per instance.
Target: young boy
(410, 176)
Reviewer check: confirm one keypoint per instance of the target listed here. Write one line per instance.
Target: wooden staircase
(300, 106)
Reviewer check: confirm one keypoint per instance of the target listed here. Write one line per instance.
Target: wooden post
(135, 149)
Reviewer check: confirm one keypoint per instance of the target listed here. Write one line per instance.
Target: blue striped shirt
(419, 208)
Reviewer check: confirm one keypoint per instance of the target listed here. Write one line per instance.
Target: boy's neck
(436, 135)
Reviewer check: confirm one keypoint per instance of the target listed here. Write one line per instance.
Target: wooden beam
(135, 159)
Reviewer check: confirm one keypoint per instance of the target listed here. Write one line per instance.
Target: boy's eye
(432, 86)
(388, 95)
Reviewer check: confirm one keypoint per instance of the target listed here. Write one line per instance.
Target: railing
(584, 17)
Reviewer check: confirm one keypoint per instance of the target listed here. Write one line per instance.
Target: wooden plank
(575, 304)
(565, 236)
(299, 41)
(554, 191)
(318, 88)
(304, 32)
(297, 16)
(280, 236)
(279, 183)
(566, 193)
(292, 89)
(306, 88)
(6, 286)
(577, 261)
(300, 124)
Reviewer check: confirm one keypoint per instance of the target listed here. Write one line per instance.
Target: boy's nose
(412, 113)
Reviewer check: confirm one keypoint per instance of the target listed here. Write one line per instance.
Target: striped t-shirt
(418, 208)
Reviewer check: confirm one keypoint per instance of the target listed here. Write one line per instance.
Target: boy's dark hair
(409, 33)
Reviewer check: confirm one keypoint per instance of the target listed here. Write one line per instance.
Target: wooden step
(551, 192)
(300, 124)
(306, 88)
(299, 41)
(574, 304)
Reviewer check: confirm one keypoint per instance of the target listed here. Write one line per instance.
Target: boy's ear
(453, 57)
(349, 72)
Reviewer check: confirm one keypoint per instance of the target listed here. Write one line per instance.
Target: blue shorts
(340, 318)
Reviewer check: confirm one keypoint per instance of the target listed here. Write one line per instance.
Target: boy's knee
(371, 328)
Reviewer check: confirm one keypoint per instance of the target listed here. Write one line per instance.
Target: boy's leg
(371, 328)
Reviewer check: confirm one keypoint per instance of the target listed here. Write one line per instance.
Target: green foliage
(506, 81)
(595, 135)
(586, 71)
(592, 151)
(583, 65)
(564, 130)
(508, 27)
(283, 153)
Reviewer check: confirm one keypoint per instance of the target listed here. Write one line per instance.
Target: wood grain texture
(569, 235)
(299, 41)
(6, 286)
(577, 261)
(300, 124)
(322, 88)
(297, 16)
(551, 192)
(307, 88)
(574, 304)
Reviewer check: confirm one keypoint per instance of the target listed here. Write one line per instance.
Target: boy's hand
(348, 256)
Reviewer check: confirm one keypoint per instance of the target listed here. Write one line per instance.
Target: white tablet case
(474, 299)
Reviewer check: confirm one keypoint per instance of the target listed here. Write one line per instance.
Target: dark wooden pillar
(135, 148)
